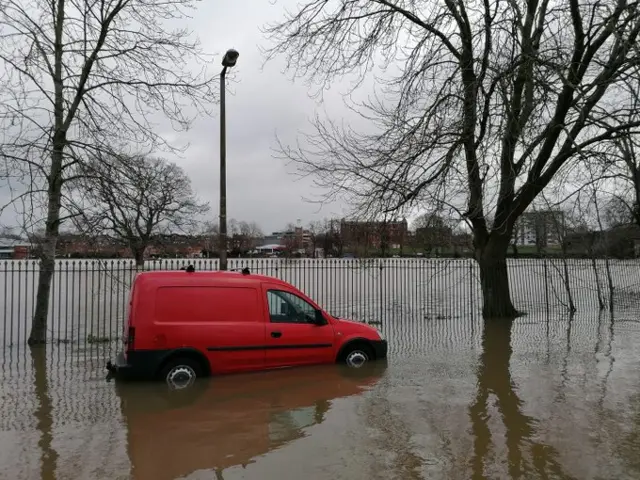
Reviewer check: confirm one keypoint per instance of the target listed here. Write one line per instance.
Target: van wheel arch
(355, 343)
(190, 353)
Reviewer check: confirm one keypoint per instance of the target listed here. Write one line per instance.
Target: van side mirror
(320, 320)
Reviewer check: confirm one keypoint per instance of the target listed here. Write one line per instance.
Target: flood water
(545, 398)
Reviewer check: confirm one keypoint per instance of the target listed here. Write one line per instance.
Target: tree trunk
(38, 335)
(138, 255)
(494, 279)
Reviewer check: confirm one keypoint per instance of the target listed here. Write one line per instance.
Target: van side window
(285, 307)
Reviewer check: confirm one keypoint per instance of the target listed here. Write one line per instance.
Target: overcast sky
(260, 102)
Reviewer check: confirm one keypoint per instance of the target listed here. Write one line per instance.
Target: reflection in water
(494, 378)
(396, 438)
(227, 421)
(43, 413)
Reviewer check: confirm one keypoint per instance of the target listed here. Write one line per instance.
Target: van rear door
(224, 322)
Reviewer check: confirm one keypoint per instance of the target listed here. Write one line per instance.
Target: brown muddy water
(547, 398)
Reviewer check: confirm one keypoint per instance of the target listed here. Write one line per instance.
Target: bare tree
(291, 240)
(316, 233)
(595, 188)
(329, 238)
(83, 75)
(483, 101)
(562, 227)
(433, 230)
(136, 197)
(210, 234)
(248, 234)
(619, 211)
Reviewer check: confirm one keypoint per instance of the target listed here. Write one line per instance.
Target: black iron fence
(89, 297)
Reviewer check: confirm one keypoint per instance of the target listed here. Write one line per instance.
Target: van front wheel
(180, 373)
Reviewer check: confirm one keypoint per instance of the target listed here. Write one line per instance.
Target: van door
(291, 336)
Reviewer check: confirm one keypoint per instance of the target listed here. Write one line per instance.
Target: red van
(185, 324)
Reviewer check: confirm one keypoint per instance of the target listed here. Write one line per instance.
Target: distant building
(273, 249)
(542, 228)
(374, 234)
(298, 239)
(14, 249)
(274, 239)
(295, 239)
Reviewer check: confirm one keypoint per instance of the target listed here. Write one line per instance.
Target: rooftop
(12, 242)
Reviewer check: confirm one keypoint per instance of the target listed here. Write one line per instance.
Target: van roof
(167, 275)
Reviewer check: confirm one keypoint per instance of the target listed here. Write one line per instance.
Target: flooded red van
(186, 324)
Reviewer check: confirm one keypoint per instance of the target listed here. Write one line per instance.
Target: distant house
(14, 249)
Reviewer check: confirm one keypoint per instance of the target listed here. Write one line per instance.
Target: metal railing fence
(89, 297)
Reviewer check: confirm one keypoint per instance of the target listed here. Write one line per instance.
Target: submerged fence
(89, 297)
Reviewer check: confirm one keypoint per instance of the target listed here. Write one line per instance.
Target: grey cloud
(261, 101)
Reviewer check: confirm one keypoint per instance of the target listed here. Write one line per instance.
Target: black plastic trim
(139, 364)
(269, 347)
(379, 347)
(145, 364)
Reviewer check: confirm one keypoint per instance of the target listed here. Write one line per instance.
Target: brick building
(393, 234)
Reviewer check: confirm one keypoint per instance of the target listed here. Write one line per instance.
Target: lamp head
(230, 58)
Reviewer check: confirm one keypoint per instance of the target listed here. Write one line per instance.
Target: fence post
(546, 287)
(472, 300)
(381, 289)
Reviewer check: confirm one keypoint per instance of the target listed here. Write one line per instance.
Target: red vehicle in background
(185, 324)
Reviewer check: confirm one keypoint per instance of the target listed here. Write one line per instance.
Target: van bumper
(138, 365)
(380, 348)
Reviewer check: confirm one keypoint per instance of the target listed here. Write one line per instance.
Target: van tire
(357, 355)
(180, 373)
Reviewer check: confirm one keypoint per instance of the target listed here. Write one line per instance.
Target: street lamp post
(229, 60)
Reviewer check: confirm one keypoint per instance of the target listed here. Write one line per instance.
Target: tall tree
(483, 101)
(136, 197)
(82, 75)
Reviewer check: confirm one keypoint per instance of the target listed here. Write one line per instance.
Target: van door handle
(276, 334)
